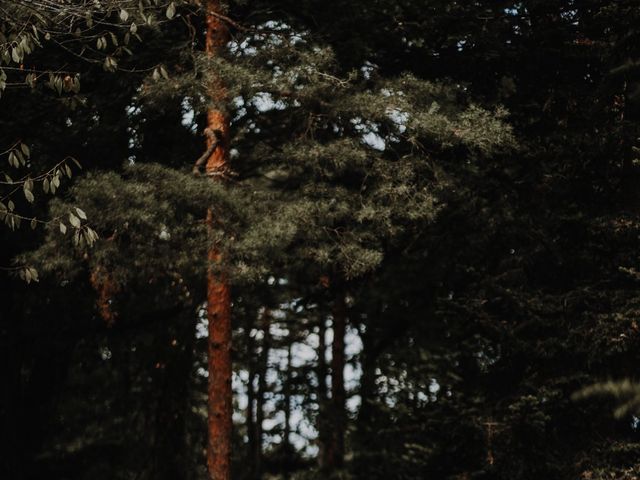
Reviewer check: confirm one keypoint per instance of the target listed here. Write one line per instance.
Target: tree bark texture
(262, 388)
(335, 449)
(220, 409)
(321, 372)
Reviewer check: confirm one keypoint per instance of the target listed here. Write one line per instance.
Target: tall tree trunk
(252, 440)
(366, 421)
(367, 381)
(335, 450)
(321, 372)
(286, 434)
(262, 387)
(220, 408)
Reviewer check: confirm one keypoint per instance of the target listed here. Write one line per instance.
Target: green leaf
(29, 274)
(124, 15)
(16, 55)
(81, 213)
(90, 236)
(20, 157)
(171, 10)
(34, 274)
(74, 221)
(110, 64)
(25, 150)
(13, 160)
(28, 195)
(63, 228)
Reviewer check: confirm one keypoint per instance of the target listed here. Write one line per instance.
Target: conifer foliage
(277, 240)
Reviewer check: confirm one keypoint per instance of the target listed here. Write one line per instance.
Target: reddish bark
(106, 288)
(220, 408)
(219, 365)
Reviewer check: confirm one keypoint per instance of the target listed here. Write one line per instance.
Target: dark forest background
(458, 181)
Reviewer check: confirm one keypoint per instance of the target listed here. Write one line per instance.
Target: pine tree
(218, 293)
(486, 259)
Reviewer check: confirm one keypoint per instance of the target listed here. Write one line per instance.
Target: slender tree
(262, 388)
(287, 448)
(220, 409)
(321, 372)
(251, 399)
(335, 449)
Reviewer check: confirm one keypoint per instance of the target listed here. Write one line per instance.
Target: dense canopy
(418, 219)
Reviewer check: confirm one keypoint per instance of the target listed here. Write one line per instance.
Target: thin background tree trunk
(251, 401)
(321, 372)
(335, 450)
(262, 388)
(286, 434)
